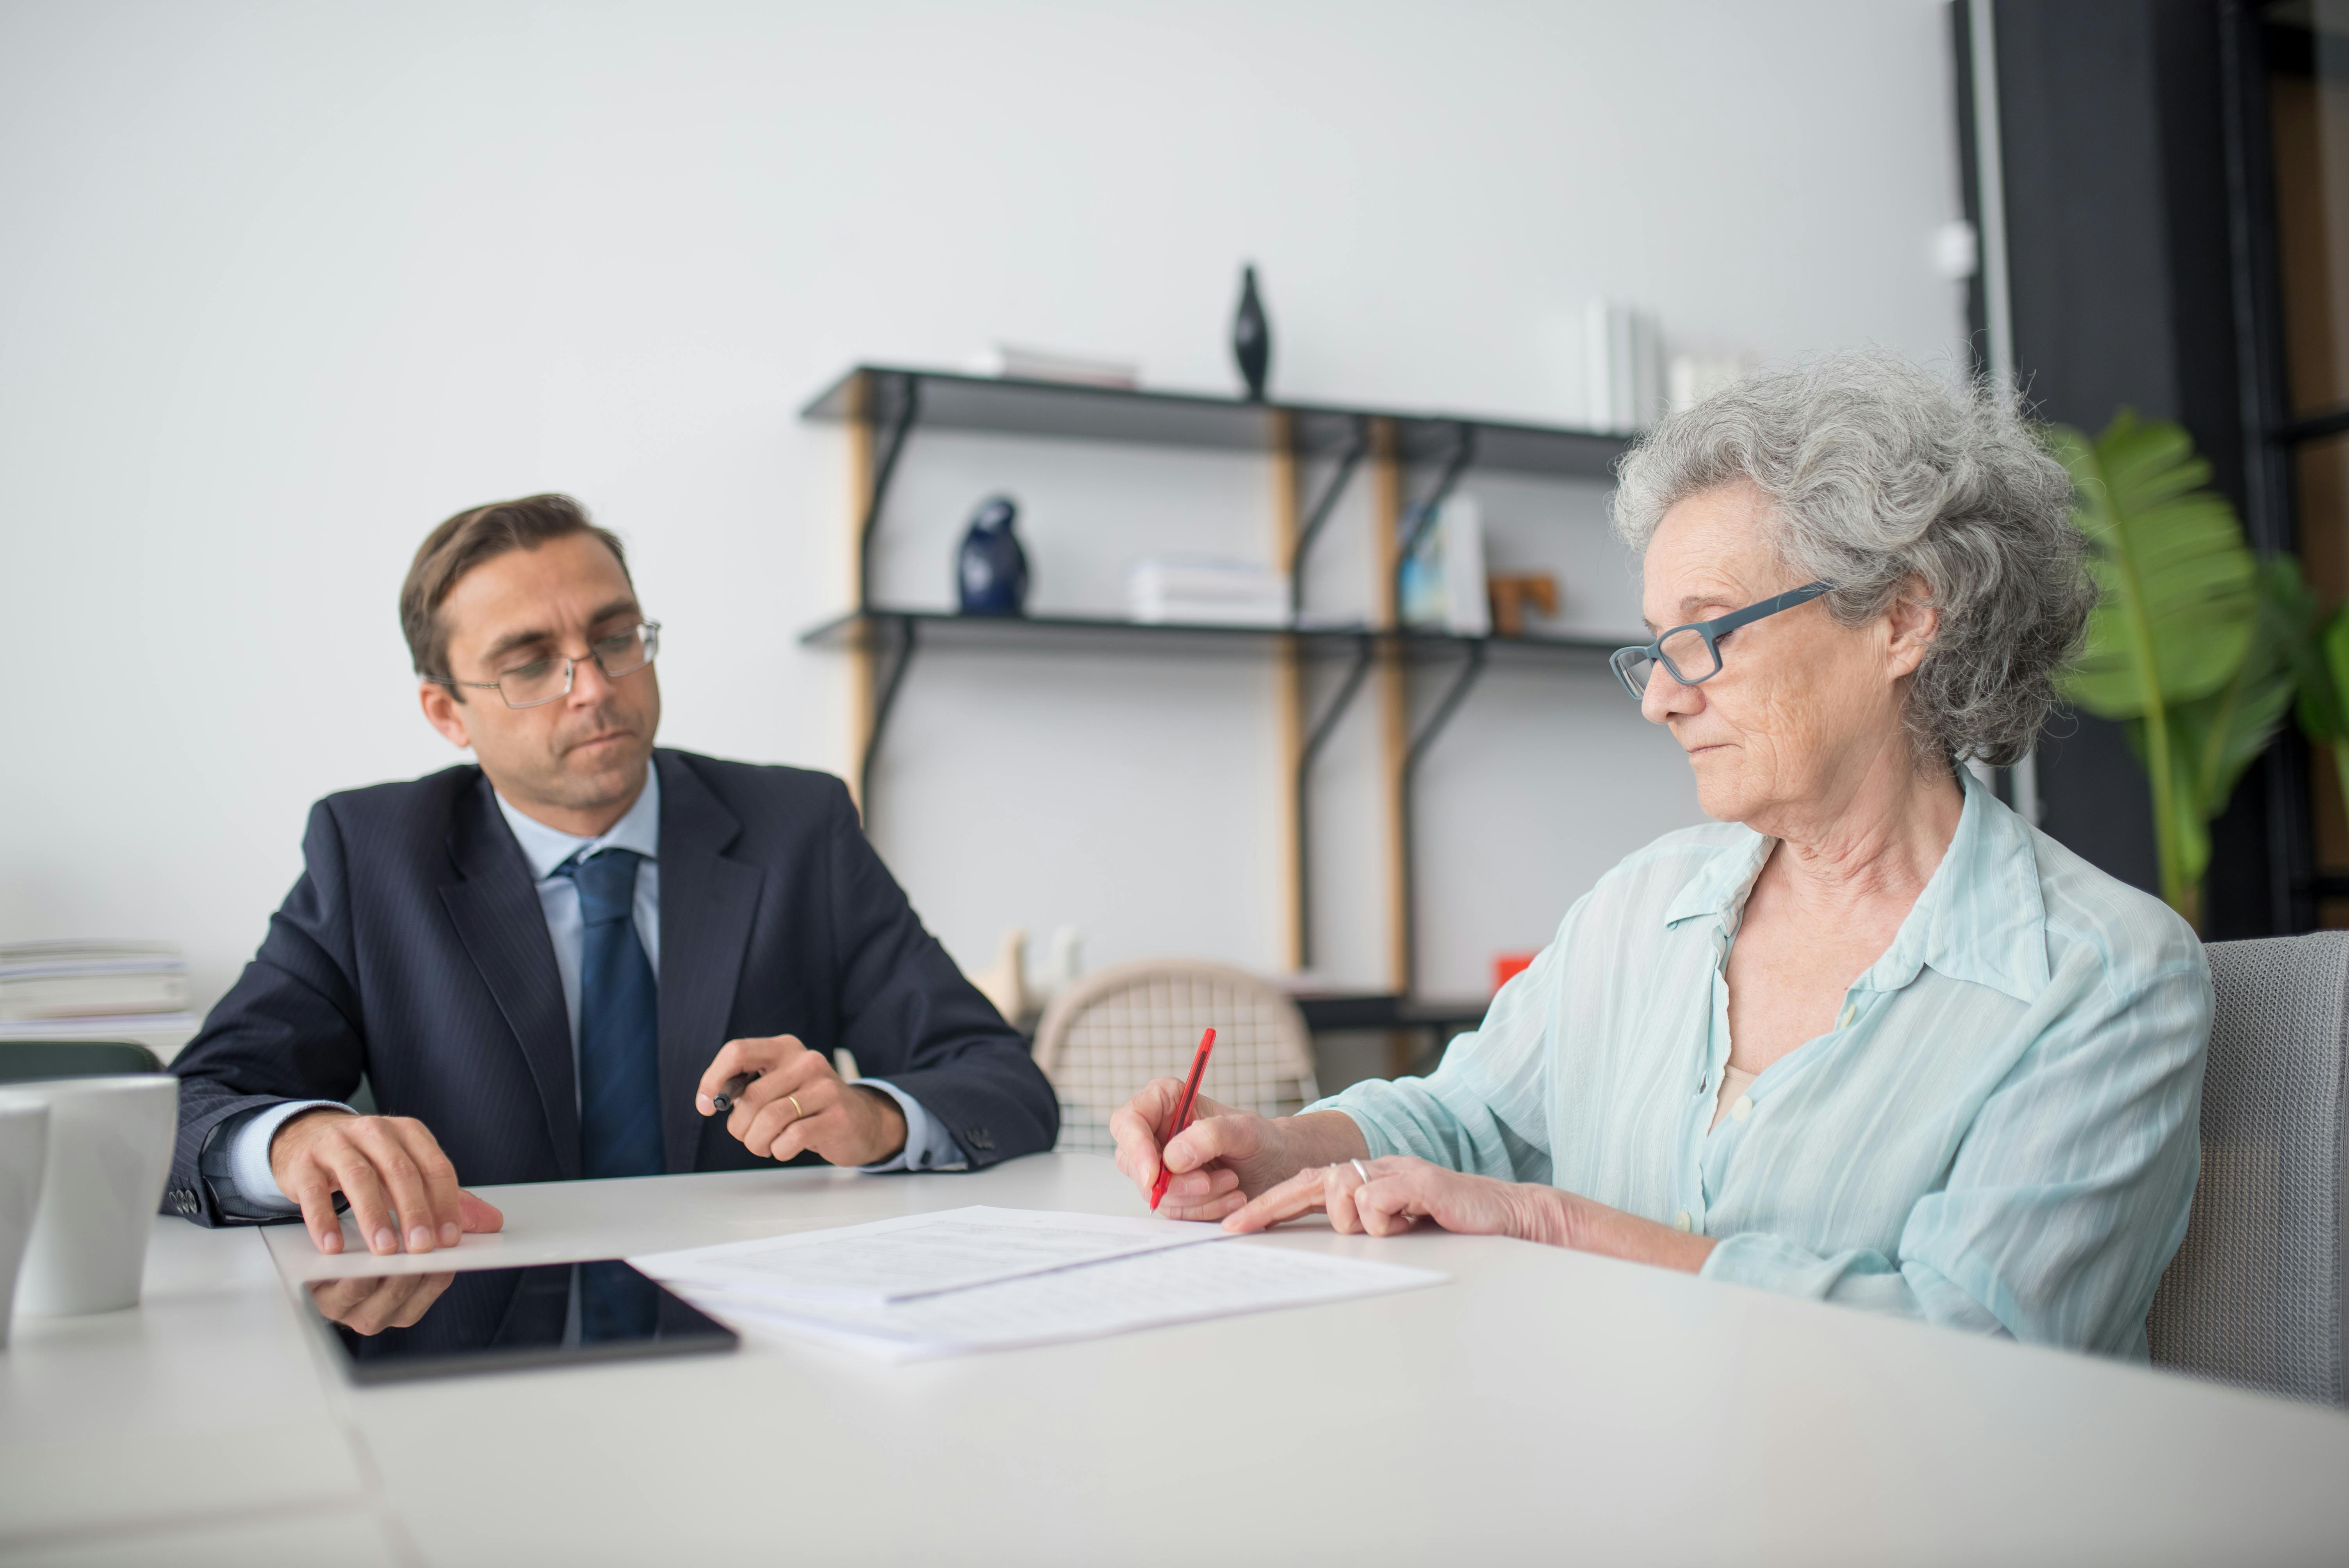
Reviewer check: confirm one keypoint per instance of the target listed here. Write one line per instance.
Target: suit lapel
(494, 905)
(706, 904)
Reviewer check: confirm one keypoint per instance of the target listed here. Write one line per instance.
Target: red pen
(1184, 1104)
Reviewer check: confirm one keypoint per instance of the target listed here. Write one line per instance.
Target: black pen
(725, 1098)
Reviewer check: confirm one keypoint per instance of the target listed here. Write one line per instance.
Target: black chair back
(26, 1061)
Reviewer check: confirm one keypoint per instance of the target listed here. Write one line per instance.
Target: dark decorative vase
(991, 570)
(1252, 338)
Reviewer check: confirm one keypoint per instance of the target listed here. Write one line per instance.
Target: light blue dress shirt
(928, 1145)
(2000, 1133)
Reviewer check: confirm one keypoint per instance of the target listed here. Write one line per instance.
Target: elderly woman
(1871, 1039)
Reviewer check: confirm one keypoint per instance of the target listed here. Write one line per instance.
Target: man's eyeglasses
(545, 680)
(1692, 652)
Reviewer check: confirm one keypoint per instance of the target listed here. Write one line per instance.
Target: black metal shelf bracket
(1469, 670)
(1315, 738)
(1421, 517)
(1357, 448)
(906, 629)
(1421, 744)
(888, 469)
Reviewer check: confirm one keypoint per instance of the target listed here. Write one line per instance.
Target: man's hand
(372, 1305)
(391, 1169)
(797, 1102)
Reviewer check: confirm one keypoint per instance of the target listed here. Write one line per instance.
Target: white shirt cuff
(928, 1145)
(248, 1156)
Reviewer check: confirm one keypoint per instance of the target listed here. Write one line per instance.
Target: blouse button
(1742, 1110)
(1850, 1011)
(1680, 1220)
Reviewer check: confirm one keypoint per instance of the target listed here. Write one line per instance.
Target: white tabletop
(1542, 1403)
(184, 1422)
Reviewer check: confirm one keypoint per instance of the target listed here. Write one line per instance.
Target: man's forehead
(570, 579)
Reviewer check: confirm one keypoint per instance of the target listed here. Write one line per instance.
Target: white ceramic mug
(24, 1142)
(102, 1185)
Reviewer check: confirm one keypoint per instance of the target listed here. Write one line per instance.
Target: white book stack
(1205, 591)
(1624, 355)
(64, 989)
(1014, 363)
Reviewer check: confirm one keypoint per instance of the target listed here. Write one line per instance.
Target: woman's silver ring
(1360, 1171)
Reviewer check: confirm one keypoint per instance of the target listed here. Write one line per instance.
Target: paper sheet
(1146, 1290)
(920, 1255)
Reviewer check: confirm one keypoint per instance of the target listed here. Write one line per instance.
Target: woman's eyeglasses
(1691, 654)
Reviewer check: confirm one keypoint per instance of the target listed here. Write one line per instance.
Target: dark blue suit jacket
(414, 951)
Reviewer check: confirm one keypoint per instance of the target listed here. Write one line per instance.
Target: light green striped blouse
(1999, 1135)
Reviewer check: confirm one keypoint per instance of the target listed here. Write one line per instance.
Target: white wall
(281, 286)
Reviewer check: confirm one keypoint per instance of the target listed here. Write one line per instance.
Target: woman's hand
(796, 1103)
(1216, 1163)
(1387, 1196)
(1225, 1156)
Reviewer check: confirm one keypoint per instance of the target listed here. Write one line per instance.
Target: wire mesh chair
(1111, 1032)
(2254, 1296)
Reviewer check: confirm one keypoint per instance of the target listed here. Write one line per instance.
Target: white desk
(1542, 1404)
(188, 1427)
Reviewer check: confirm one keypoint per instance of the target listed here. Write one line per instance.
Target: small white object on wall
(1957, 250)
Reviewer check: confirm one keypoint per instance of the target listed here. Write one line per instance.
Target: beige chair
(1110, 1033)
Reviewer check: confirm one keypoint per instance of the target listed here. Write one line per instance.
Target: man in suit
(548, 966)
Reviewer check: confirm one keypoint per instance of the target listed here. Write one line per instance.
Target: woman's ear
(1911, 622)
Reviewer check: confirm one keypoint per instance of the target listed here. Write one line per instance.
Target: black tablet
(393, 1327)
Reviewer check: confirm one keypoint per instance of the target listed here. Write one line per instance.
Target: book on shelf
(1012, 363)
(1624, 357)
(1205, 591)
(1443, 585)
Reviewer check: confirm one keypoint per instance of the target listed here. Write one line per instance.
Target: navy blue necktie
(619, 1023)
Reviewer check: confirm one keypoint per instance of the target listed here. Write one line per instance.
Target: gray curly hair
(1880, 474)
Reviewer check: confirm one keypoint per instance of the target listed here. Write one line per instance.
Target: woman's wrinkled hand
(1223, 1158)
(1388, 1195)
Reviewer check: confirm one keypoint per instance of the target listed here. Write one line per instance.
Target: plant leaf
(2176, 583)
(2220, 736)
(2335, 645)
(2323, 716)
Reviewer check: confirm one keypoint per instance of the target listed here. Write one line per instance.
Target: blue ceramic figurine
(991, 572)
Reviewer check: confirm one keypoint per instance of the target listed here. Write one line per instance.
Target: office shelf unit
(882, 405)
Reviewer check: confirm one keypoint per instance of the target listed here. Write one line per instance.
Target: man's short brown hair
(463, 543)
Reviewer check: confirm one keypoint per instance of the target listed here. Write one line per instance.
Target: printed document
(1139, 1288)
(920, 1255)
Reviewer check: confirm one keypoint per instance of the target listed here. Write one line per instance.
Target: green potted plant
(2195, 643)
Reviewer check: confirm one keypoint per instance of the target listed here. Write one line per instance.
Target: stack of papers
(61, 989)
(982, 1278)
